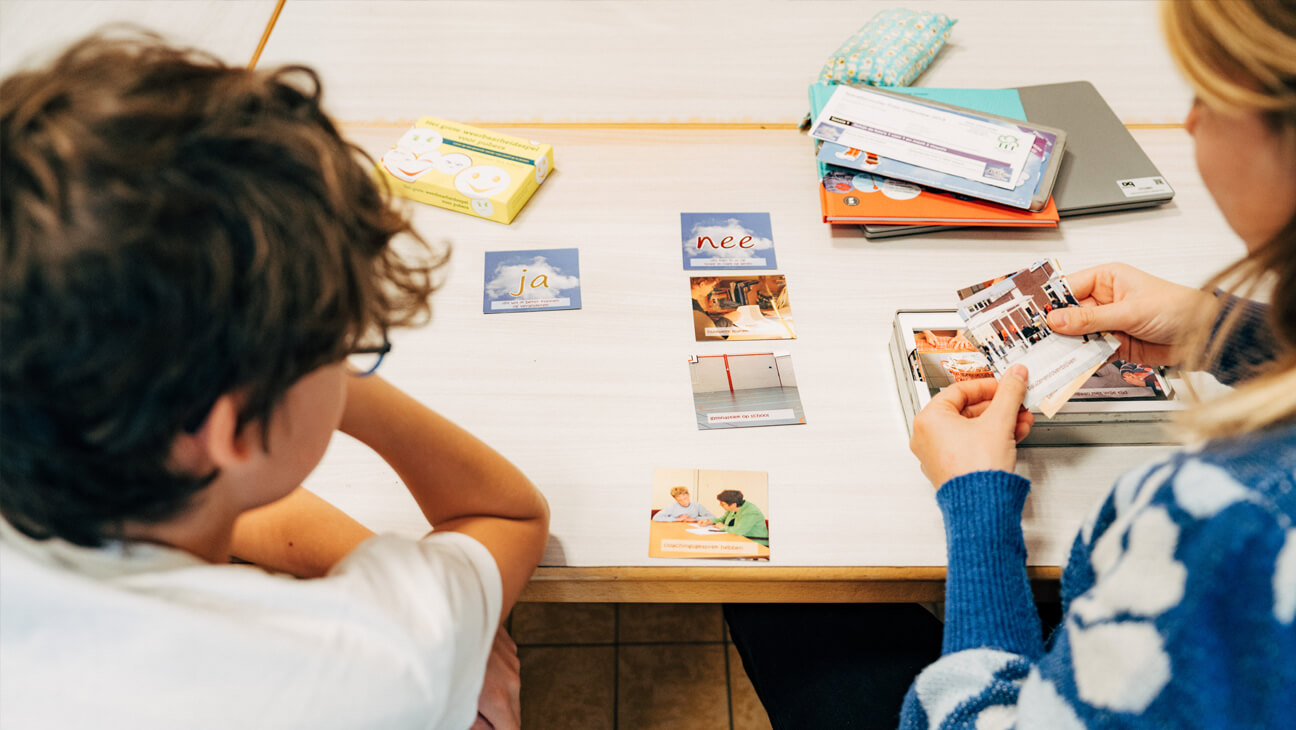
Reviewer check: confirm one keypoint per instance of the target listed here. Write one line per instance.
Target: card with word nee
(532, 281)
(714, 241)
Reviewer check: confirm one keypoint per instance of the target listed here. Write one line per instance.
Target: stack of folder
(909, 156)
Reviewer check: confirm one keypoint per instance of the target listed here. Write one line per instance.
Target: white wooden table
(589, 402)
(694, 62)
(33, 30)
(662, 107)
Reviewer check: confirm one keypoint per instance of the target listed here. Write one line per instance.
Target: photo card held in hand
(1006, 320)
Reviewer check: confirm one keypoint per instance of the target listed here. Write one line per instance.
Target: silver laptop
(1103, 168)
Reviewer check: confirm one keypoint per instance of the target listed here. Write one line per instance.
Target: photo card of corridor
(1005, 318)
(531, 281)
(745, 389)
(709, 513)
(713, 241)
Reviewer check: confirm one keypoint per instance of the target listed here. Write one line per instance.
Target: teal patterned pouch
(889, 50)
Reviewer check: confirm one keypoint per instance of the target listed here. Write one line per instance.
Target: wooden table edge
(631, 125)
(754, 584)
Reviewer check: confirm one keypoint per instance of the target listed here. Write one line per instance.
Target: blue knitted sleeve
(1181, 603)
(1250, 345)
(988, 599)
(992, 632)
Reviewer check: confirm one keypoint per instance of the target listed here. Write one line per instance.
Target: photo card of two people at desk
(709, 513)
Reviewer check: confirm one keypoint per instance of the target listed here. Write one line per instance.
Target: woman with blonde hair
(1180, 592)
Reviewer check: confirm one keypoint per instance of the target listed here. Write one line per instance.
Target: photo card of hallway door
(709, 513)
(743, 390)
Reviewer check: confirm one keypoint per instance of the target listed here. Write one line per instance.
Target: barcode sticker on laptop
(1138, 187)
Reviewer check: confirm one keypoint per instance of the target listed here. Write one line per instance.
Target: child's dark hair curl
(172, 229)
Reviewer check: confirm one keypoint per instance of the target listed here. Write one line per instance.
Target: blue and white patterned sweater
(1179, 595)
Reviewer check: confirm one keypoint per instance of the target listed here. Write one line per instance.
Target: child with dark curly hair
(191, 254)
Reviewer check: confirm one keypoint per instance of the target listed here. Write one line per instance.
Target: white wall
(753, 371)
(747, 371)
(665, 479)
(708, 375)
(33, 32)
(754, 486)
(705, 484)
(784, 363)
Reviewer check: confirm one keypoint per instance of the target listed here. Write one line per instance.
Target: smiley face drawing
(415, 153)
(482, 207)
(542, 169)
(452, 163)
(482, 181)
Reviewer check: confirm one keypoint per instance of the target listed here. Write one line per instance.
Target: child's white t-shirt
(143, 636)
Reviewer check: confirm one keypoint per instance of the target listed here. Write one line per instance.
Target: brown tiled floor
(631, 666)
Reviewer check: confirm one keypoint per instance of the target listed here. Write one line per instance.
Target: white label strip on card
(777, 414)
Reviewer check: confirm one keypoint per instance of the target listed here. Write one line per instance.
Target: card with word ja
(531, 281)
(714, 241)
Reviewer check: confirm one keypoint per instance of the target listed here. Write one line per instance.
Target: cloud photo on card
(531, 280)
(727, 241)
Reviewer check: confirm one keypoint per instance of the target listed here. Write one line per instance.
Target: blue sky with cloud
(538, 275)
(719, 225)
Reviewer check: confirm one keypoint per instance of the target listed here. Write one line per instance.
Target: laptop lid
(1103, 167)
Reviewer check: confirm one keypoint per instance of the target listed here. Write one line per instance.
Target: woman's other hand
(972, 426)
(1150, 316)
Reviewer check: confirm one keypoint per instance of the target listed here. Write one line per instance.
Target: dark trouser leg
(833, 665)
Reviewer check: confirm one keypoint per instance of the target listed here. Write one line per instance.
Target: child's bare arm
(301, 534)
(460, 483)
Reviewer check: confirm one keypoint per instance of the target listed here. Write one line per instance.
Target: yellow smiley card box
(466, 169)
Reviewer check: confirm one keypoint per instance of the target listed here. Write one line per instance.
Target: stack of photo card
(1124, 380)
(745, 389)
(708, 513)
(741, 308)
(956, 149)
(1005, 319)
(531, 281)
(946, 357)
(1120, 403)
